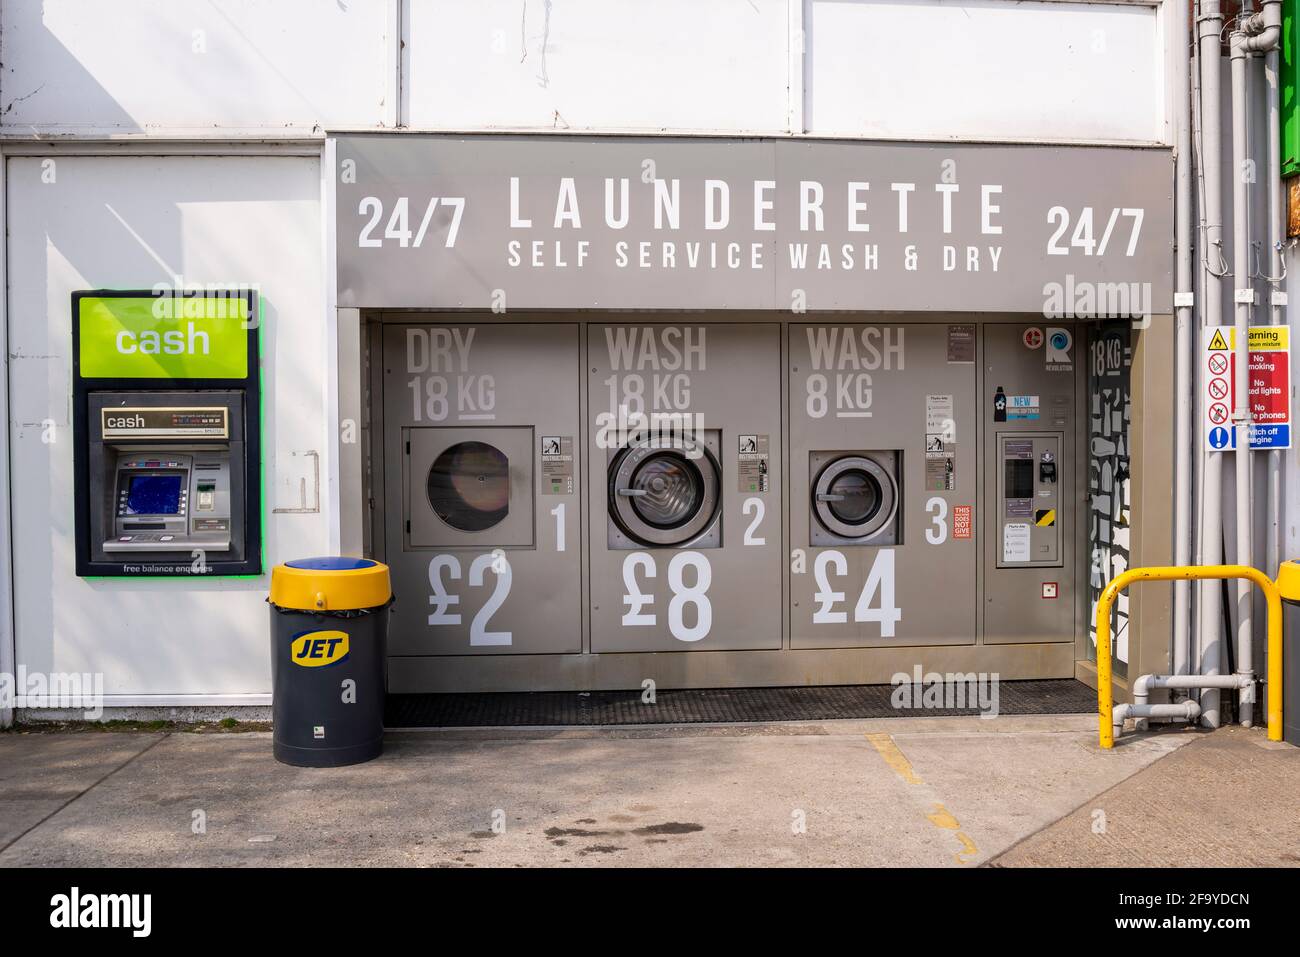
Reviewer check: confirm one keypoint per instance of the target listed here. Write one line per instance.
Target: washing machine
(481, 520)
(685, 443)
(883, 441)
(856, 497)
(665, 491)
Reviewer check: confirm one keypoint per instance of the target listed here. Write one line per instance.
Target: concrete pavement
(948, 792)
(1228, 799)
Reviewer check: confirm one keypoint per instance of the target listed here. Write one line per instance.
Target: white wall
(194, 66)
(929, 69)
(894, 69)
(129, 222)
(598, 64)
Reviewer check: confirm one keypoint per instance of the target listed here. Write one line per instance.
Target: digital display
(1020, 478)
(153, 495)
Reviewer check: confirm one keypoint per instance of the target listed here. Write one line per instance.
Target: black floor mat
(1063, 696)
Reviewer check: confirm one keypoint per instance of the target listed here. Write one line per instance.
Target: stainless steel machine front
(570, 505)
(482, 528)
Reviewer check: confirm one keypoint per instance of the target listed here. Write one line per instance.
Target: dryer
(480, 492)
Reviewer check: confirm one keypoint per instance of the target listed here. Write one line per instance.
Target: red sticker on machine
(963, 520)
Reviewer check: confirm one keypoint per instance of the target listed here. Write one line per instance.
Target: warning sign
(1045, 517)
(962, 520)
(1269, 387)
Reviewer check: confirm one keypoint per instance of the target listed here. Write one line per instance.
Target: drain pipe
(1258, 33)
(1271, 17)
(1183, 372)
(1209, 549)
(1243, 300)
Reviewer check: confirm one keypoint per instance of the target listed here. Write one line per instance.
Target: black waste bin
(329, 636)
(1288, 586)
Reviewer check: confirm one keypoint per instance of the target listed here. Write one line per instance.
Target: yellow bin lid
(330, 584)
(1288, 581)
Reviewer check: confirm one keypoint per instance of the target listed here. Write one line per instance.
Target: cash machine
(166, 434)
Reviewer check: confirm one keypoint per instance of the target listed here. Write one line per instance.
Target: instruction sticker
(557, 465)
(961, 343)
(940, 444)
(1015, 542)
(754, 462)
(962, 521)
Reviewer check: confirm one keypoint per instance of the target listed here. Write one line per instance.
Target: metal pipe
(1184, 387)
(1186, 710)
(1209, 549)
(1243, 302)
(1144, 684)
(1277, 271)
(1272, 594)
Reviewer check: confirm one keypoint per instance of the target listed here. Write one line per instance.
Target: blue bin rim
(332, 563)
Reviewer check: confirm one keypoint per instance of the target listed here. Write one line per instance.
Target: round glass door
(854, 497)
(664, 491)
(469, 486)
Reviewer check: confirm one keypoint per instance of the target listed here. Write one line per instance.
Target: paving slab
(40, 773)
(931, 792)
(1230, 798)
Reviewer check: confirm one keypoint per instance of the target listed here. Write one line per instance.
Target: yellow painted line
(968, 849)
(888, 750)
(940, 817)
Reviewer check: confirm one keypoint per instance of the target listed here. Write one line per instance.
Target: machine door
(665, 492)
(855, 498)
(467, 487)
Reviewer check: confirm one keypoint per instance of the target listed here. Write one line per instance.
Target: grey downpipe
(1277, 272)
(1209, 24)
(1243, 301)
(1184, 386)
(1259, 33)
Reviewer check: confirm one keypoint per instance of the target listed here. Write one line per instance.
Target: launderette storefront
(728, 412)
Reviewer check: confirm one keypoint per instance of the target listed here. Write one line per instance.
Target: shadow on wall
(132, 222)
(25, 29)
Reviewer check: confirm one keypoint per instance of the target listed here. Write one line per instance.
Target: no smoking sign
(1218, 389)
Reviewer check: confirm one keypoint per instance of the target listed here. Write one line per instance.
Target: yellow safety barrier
(1105, 696)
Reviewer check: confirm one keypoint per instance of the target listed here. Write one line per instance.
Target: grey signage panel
(883, 480)
(682, 557)
(562, 222)
(483, 565)
(1033, 452)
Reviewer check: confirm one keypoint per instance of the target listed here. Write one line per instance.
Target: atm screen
(153, 495)
(1020, 478)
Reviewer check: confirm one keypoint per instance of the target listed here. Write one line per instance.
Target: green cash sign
(164, 337)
